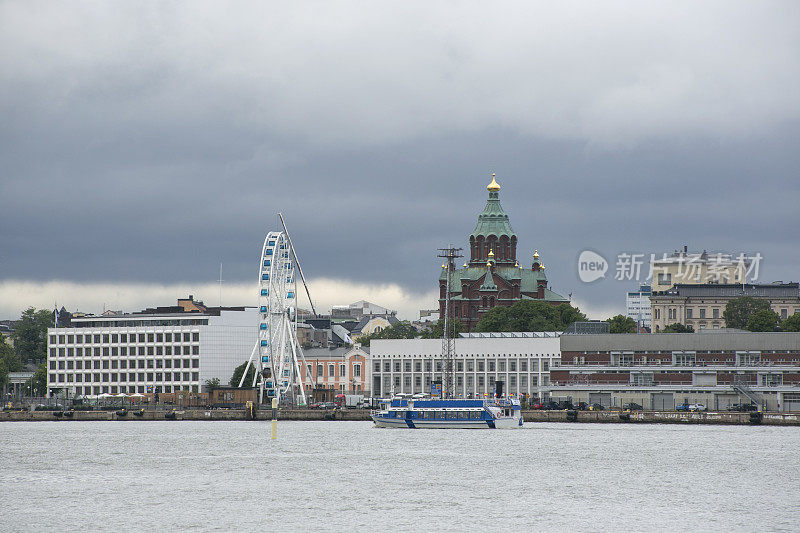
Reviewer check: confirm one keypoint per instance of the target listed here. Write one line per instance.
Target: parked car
(551, 406)
(597, 407)
(697, 407)
(314, 405)
(327, 405)
(633, 406)
(743, 407)
(682, 407)
(537, 406)
(583, 406)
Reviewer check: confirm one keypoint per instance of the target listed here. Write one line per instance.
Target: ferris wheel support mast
(297, 262)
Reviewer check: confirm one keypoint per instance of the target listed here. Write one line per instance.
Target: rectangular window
(151, 337)
(167, 337)
(319, 371)
(386, 366)
(417, 366)
(342, 370)
(186, 350)
(123, 337)
(187, 337)
(141, 337)
(689, 313)
(195, 350)
(105, 339)
(195, 337)
(357, 370)
(702, 312)
(480, 366)
(397, 366)
(330, 370)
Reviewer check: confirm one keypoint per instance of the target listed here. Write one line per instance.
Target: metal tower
(449, 254)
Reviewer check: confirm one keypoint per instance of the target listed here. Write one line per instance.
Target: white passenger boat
(497, 413)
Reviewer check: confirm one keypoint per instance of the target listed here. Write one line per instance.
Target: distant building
(521, 360)
(336, 371)
(492, 276)
(637, 306)
(159, 350)
(714, 368)
(360, 309)
(694, 268)
(702, 306)
(370, 324)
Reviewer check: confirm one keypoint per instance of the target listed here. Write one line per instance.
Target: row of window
(124, 351)
(124, 338)
(132, 389)
(124, 364)
(132, 377)
(332, 368)
(139, 323)
(482, 366)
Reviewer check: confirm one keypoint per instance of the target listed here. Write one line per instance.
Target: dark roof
(733, 290)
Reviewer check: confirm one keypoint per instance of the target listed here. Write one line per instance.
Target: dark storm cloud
(149, 144)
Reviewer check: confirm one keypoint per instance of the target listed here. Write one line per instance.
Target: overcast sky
(141, 144)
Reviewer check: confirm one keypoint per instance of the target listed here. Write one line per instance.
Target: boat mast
(448, 343)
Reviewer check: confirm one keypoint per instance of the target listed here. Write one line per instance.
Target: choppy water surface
(345, 476)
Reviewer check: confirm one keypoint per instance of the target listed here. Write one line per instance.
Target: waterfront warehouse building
(492, 276)
(521, 360)
(660, 371)
(702, 306)
(160, 350)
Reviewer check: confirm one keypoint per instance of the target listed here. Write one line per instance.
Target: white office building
(149, 353)
(637, 306)
(521, 360)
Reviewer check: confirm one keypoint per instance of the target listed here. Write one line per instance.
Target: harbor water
(350, 476)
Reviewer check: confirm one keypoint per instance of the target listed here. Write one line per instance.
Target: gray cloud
(147, 143)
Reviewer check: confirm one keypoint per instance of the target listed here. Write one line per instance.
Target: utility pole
(449, 254)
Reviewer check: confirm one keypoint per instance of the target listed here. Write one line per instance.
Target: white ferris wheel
(277, 355)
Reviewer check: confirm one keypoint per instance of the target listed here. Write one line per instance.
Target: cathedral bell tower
(493, 233)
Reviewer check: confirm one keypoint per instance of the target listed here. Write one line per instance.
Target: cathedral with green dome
(492, 276)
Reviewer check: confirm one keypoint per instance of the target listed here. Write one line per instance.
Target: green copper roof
(488, 282)
(493, 220)
(528, 280)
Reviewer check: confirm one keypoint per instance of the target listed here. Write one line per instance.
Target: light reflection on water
(338, 476)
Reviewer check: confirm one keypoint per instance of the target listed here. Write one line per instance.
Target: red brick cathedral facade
(492, 276)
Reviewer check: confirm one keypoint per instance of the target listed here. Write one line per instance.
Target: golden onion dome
(493, 186)
(491, 253)
(536, 254)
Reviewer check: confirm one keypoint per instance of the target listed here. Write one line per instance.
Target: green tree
(792, 323)
(436, 331)
(9, 362)
(400, 330)
(678, 328)
(237, 375)
(214, 383)
(38, 383)
(737, 311)
(30, 334)
(530, 315)
(763, 320)
(622, 324)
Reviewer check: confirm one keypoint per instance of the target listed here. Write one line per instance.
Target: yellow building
(689, 268)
